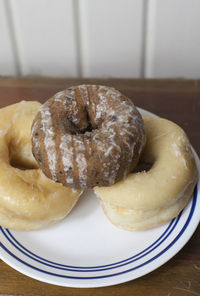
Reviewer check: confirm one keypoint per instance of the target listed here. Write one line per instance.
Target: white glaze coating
(28, 199)
(148, 198)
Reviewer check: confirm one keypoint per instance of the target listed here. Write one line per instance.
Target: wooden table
(177, 100)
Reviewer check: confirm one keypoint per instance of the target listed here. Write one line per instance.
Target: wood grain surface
(177, 100)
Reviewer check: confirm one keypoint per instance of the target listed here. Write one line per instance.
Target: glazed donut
(148, 198)
(87, 135)
(28, 199)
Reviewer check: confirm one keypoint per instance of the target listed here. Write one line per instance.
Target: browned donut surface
(87, 135)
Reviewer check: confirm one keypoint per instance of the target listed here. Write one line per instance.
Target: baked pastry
(87, 135)
(148, 198)
(28, 199)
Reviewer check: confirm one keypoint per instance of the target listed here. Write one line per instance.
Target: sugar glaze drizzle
(116, 118)
(49, 143)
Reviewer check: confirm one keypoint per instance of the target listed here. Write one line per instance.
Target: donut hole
(86, 131)
(69, 126)
(143, 167)
(89, 127)
(22, 165)
(21, 159)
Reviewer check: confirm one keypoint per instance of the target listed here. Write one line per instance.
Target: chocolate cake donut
(87, 135)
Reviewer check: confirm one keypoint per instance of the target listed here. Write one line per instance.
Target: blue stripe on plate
(92, 270)
(77, 267)
(122, 272)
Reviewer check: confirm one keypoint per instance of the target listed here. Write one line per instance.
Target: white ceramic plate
(86, 250)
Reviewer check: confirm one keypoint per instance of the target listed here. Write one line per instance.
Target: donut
(87, 135)
(28, 199)
(151, 197)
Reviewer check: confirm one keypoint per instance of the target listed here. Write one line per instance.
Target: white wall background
(100, 38)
